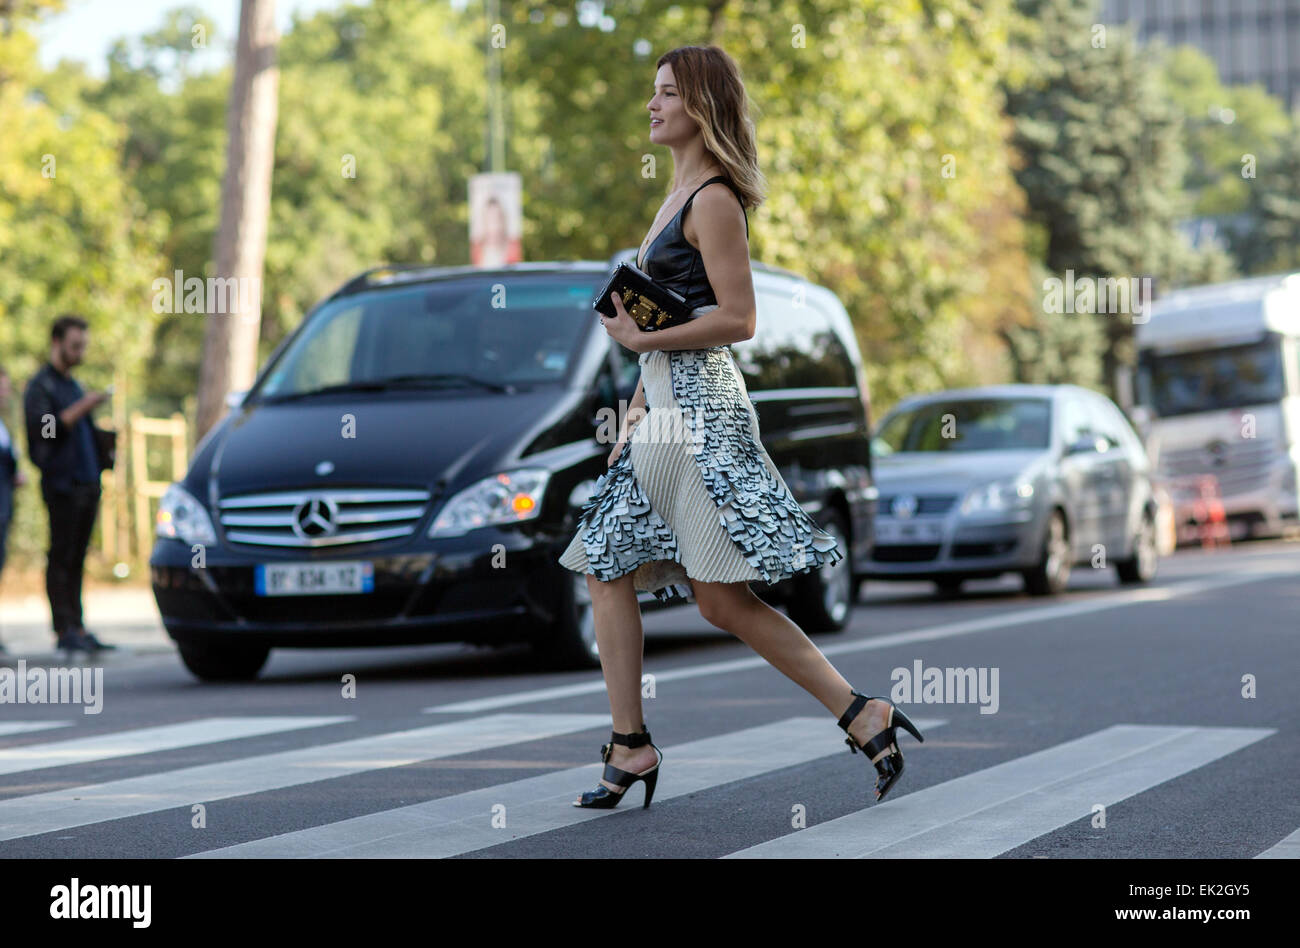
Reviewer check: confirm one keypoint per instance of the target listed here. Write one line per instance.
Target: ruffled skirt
(693, 493)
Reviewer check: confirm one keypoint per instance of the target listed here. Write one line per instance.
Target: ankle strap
(858, 704)
(635, 739)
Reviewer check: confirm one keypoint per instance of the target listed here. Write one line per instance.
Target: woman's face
(669, 123)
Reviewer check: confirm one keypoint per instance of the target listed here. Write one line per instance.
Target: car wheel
(570, 643)
(1142, 567)
(1052, 573)
(822, 599)
(223, 662)
(947, 588)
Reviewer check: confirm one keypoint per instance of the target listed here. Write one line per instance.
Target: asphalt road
(1118, 728)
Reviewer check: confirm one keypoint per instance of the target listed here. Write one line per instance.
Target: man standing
(10, 476)
(60, 443)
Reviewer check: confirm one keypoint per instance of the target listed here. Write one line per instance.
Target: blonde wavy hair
(713, 94)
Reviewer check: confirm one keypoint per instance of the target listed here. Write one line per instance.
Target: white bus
(1218, 391)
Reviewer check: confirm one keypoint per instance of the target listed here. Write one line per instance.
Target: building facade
(1253, 41)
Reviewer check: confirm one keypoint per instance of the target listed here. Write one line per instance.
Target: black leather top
(671, 260)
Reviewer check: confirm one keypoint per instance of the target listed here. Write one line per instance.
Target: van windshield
(969, 424)
(1212, 379)
(476, 332)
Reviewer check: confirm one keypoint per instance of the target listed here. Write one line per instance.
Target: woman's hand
(613, 455)
(622, 328)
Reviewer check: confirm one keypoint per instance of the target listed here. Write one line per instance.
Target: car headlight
(499, 500)
(998, 496)
(182, 517)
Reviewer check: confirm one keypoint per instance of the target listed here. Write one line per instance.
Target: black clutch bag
(651, 305)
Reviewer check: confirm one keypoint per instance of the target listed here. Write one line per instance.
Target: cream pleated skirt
(692, 495)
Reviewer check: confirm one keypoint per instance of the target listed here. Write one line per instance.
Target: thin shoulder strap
(729, 183)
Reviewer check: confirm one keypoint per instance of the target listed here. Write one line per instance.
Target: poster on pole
(495, 219)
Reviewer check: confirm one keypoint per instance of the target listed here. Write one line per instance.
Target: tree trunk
(234, 316)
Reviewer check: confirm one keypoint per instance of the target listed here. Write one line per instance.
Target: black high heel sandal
(890, 767)
(603, 798)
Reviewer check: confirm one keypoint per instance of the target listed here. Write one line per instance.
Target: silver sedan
(1031, 479)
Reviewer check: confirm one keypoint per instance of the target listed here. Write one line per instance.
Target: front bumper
(456, 593)
(944, 547)
(1269, 502)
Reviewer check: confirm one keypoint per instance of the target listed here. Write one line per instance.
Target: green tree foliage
(1274, 205)
(1236, 138)
(885, 131)
(879, 132)
(1104, 167)
(74, 237)
(380, 126)
(1222, 125)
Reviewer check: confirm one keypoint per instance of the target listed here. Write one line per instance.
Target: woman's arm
(719, 225)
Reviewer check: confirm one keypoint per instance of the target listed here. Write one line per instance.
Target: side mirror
(1085, 445)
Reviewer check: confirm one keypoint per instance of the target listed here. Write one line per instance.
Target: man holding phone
(61, 443)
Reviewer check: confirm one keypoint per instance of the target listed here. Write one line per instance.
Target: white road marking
(96, 803)
(24, 727)
(147, 740)
(463, 823)
(995, 622)
(1288, 848)
(982, 814)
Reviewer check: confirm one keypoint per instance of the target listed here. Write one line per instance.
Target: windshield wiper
(380, 385)
(326, 390)
(451, 377)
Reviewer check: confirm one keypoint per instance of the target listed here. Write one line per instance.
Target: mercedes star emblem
(315, 517)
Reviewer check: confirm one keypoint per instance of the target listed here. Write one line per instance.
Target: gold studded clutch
(651, 305)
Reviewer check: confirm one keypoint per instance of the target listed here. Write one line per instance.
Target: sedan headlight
(499, 500)
(182, 517)
(998, 496)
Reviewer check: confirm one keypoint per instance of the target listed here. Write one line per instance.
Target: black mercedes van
(411, 461)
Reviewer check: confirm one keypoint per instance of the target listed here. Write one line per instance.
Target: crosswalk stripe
(462, 823)
(147, 740)
(24, 727)
(1288, 848)
(997, 809)
(96, 803)
(996, 622)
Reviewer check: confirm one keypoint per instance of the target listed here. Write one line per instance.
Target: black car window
(837, 365)
(967, 424)
(324, 357)
(793, 346)
(517, 329)
(1213, 379)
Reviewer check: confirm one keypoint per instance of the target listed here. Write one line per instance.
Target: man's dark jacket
(47, 394)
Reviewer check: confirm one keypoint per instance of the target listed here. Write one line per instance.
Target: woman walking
(691, 504)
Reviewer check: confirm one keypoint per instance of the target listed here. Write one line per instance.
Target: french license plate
(906, 532)
(314, 579)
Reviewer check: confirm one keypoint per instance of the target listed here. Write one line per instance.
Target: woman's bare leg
(734, 608)
(621, 640)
